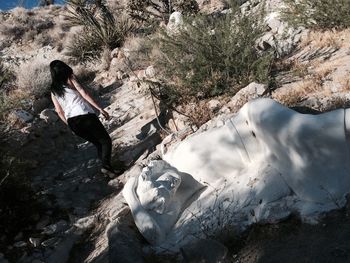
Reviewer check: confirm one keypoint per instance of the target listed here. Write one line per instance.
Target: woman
(75, 108)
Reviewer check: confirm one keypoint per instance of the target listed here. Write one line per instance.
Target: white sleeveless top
(73, 104)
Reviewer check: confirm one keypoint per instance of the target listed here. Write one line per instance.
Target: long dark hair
(60, 72)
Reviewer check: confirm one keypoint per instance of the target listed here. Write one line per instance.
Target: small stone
(214, 105)
(150, 72)
(86, 222)
(22, 116)
(51, 242)
(86, 180)
(20, 244)
(48, 116)
(35, 241)
(114, 53)
(54, 228)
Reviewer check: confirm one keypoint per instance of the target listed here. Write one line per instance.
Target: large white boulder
(261, 165)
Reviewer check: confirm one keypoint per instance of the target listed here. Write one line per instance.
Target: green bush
(318, 14)
(211, 56)
(100, 29)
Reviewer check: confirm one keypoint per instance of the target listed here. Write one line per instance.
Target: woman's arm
(74, 82)
(58, 109)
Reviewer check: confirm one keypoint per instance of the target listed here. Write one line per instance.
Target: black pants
(90, 128)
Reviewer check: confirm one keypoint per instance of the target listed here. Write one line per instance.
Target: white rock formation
(175, 23)
(263, 164)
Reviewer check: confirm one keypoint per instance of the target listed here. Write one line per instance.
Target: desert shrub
(211, 56)
(23, 25)
(6, 76)
(135, 56)
(319, 14)
(100, 29)
(33, 77)
(6, 86)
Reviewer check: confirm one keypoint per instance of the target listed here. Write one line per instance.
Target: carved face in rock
(156, 188)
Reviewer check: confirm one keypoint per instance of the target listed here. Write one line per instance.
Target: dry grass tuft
(199, 112)
(34, 77)
(322, 39)
(294, 95)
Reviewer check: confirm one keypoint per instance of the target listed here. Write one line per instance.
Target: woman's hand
(105, 114)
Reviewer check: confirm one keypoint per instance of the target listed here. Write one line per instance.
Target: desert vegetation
(100, 29)
(211, 62)
(319, 14)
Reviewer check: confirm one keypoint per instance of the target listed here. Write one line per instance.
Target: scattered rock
(49, 116)
(35, 241)
(60, 226)
(51, 242)
(86, 222)
(21, 116)
(252, 91)
(20, 244)
(150, 72)
(214, 105)
(114, 53)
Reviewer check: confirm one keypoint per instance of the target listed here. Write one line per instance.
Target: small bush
(137, 57)
(6, 76)
(34, 78)
(99, 29)
(211, 56)
(318, 14)
(6, 86)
